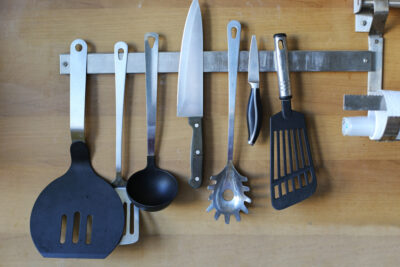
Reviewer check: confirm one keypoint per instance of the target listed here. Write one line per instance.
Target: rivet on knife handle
(196, 152)
(254, 108)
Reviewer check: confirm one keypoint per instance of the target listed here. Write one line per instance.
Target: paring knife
(254, 108)
(190, 87)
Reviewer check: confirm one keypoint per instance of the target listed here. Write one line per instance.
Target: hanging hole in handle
(234, 31)
(281, 45)
(151, 40)
(120, 53)
(78, 47)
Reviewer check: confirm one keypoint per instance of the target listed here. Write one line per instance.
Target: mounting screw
(364, 22)
(365, 60)
(197, 152)
(376, 41)
(197, 179)
(65, 63)
(196, 125)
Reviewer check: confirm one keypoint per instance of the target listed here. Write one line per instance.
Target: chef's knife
(190, 87)
(254, 108)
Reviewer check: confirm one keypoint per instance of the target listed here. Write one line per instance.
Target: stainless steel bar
(217, 61)
(364, 102)
(392, 3)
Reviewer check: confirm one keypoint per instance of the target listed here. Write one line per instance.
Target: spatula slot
(125, 215)
(63, 230)
(276, 152)
(283, 188)
(309, 177)
(303, 179)
(131, 218)
(276, 189)
(89, 226)
(75, 231)
(290, 185)
(303, 140)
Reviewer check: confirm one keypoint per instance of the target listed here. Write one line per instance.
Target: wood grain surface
(352, 220)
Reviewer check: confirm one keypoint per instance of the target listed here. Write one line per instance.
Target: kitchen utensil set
(80, 215)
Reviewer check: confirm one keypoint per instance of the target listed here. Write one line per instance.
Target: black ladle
(151, 189)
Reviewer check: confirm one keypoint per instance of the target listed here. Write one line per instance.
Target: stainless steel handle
(120, 63)
(151, 59)
(282, 66)
(77, 89)
(233, 64)
(370, 3)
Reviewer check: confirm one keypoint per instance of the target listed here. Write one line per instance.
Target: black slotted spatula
(292, 169)
(78, 215)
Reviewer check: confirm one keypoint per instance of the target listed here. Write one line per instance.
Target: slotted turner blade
(131, 212)
(292, 169)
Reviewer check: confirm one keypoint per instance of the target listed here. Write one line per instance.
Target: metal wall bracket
(217, 61)
(370, 16)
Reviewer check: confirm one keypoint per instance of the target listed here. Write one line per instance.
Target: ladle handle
(120, 62)
(77, 89)
(233, 64)
(151, 60)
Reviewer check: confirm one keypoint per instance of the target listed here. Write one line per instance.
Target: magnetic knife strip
(217, 61)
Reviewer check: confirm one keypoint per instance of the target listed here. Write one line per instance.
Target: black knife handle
(196, 152)
(254, 115)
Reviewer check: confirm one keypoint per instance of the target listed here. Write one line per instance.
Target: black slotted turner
(78, 215)
(292, 169)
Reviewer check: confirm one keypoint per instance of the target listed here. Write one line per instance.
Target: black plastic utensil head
(152, 189)
(292, 170)
(78, 215)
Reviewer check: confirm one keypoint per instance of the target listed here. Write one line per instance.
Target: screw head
(364, 22)
(365, 60)
(65, 63)
(196, 179)
(197, 152)
(376, 41)
(196, 125)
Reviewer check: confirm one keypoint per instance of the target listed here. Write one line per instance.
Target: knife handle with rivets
(254, 115)
(196, 152)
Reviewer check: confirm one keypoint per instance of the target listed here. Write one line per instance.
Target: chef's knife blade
(190, 87)
(254, 108)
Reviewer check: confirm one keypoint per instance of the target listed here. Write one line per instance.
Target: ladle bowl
(152, 189)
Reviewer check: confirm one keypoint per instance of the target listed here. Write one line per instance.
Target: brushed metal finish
(77, 89)
(254, 66)
(282, 69)
(364, 102)
(130, 236)
(151, 56)
(190, 73)
(120, 77)
(233, 65)
(229, 178)
(217, 61)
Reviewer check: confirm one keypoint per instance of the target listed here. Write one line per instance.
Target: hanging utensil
(254, 108)
(190, 88)
(131, 231)
(229, 180)
(151, 189)
(78, 215)
(294, 179)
